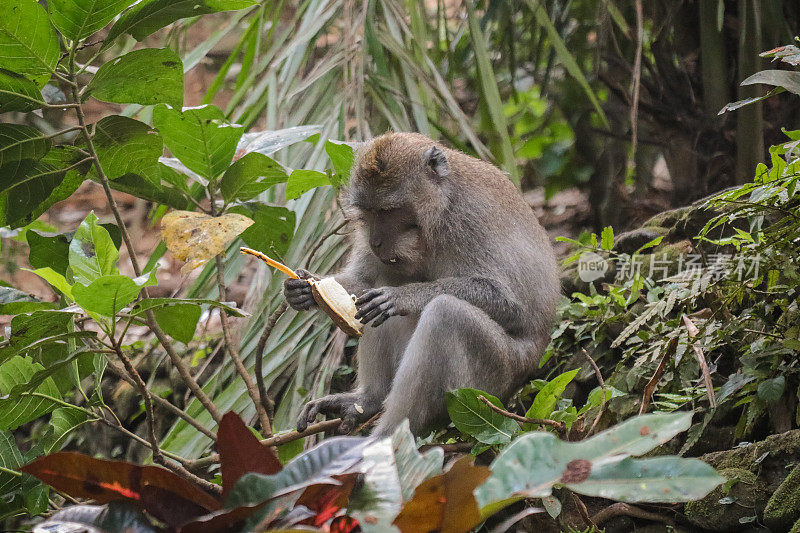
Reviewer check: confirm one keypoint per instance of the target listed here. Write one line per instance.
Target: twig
(602, 387)
(452, 447)
(276, 440)
(636, 84)
(650, 388)
(151, 319)
(559, 426)
(506, 525)
(765, 333)
(369, 422)
(267, 403)
(624, 509)
(698, 352)
(164, 403)
(233, 352)
(583, 511)
(321, 241)
(148, 404)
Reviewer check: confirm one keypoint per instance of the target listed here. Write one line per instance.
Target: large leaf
(78, 19)
(200, 137)
(342, 157)
(28, 43)
(779, 78)
(473, 417)
(532, 464)
(165, 495)
(25, 185)
(18, 93)
(240, 452)
(107, 295)
(445, 503)
(147, 76)
(13, 301)
(125, 145)
(17, 411)
(29, 332)
(153, 303)
(151, 15)
(269, 142)
(59, 157)
(250, 176)
(18, 142)
(10, 459)
(64, 421)
(48, 251)
(92, 253)
(143, 187)
(413, 467)
(110, 518)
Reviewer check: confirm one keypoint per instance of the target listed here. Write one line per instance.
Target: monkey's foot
(353, 408)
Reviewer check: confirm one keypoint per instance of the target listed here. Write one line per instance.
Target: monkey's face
(394, 237)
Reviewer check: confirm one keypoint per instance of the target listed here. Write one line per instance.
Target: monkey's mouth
(390, 261)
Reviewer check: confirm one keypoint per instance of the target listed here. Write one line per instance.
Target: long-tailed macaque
(456, 281)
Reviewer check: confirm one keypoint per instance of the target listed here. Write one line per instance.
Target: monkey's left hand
(377, 305)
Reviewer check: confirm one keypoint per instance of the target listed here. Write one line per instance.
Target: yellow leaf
(196, 237)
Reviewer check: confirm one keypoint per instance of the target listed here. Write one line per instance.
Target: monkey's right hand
(298, 291)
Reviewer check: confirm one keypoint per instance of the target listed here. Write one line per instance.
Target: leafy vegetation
(690, 318)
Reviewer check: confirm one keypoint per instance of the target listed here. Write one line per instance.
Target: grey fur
(462, 294)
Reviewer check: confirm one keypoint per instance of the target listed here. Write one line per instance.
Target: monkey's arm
(376, 305)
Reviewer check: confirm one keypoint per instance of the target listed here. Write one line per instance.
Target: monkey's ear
(436, 162)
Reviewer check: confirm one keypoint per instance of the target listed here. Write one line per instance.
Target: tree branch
(559, 426)
(267, 403)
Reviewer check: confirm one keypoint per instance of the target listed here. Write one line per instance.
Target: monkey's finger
(297, 285)
(304, 275)
(383, 318)
(372, 313)
(308, 415)
(347, 425)
(365, 307)
(369, 295)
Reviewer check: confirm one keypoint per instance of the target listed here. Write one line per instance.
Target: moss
(795, 527)
(783, 508)
(747, 493)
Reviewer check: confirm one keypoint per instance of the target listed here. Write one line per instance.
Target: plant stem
(151, 320)
(266, 401)
(559, 426)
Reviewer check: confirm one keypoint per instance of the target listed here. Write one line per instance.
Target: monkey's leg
(454, 345)
(379, 350)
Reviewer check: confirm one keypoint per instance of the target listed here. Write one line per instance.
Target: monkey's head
(398, 188)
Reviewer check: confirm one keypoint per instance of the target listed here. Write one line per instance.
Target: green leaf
(25, 185)
(533, 463)
(250, 176)
(342, 157)
(92, 252)
(142, 187)
(547, 398)
(413, 467)
(18, 142)
(28, 43)
(106, 295)
(657, 479)
(64, 421)
(48, 251)
(58, 281)
(18, 93)
(13, 302)
(10, 459)
(78, 19)
(15, 412)
(179, 321)
(59, 157)
(153, 303)
(151, 15)
(301, 181)
(145, 77)
(473, 417)
(199, 137)
(30, 332)
(125, 145)
(771, 390)
(607, 238)
(272, 228)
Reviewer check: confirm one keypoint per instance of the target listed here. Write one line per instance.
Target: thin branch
(701, 358)
(148, 404)
(276, 440)
(322, 240)
(602, 387)
(233, 352)
(624, 509)
(559, 426)
(166, 404)
(267, 403)
(650, 388)
(151, 319)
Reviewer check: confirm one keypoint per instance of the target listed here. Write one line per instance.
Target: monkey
(456, 283)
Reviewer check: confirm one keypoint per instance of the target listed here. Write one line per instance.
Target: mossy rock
(783, 508)
(795, 527)
(722, 508)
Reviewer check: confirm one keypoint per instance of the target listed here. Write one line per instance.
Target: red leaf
(343, 524)
(327, 500)
(165, 495)
(221, 521)
(240, 452)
